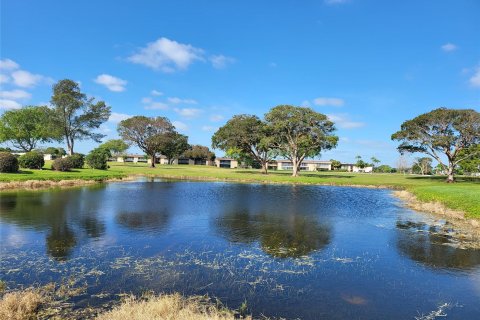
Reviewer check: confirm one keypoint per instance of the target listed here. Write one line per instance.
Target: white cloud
(7, 64)
(216, 117)
(180, 125)
(15, 94)
(156, 93)
(325, 101)
(4, 78)
(147, 100)
(26, 79)
(475, 78)
(167, 55)
(342, 121)
(449, 47)
(188, 112)
(9, 104)
(117, 117)
(112, 83)
(156, 106)
(208, 128)
(176, 100)
(220, 61)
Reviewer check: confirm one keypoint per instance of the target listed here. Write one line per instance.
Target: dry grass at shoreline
(21, 305)
(42, 303)
(171, 307)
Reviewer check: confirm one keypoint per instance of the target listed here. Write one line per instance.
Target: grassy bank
(463, 195)
(44, 303)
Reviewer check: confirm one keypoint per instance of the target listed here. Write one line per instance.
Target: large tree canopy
(76, 115)
(300, 132)
(471, 156)
(26, 127)
(198, 152)
(175, 145)
(114, 146)
(149, 134)
(248, 135)
(441, 131)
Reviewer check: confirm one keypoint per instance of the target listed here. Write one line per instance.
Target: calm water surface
(305, 252)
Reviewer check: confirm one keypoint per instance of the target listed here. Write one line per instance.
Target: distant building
(133, 158)
(226, 163)
(306, 165)
(351, 167)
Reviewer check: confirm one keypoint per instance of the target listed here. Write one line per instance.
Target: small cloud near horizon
(449, 47)
(111, 83)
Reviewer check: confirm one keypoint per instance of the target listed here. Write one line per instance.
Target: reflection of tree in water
(143, 220)
(60, 242)
(279, 235)
(66, 216)
(433, 246)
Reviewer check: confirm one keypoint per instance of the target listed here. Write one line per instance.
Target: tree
(28, 126)
(385, 169)
(336, 165)
(375, 161)
(441, 131)
(360, 163)
(300, 132)
(114, 146)
(402, 164)
(198, 152)
(248, 137)
(76, 115)
(470, 164)
(175, 145)
(424, 165)
(55, 151)
(149, 134)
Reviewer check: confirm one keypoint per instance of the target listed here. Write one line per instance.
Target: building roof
(307, 161)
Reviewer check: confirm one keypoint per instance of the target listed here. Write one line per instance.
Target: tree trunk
(295, 168)
(264, 168)
(70, 147)
(152, 165)
(450, 177)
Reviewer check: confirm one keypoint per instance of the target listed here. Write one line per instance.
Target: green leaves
(440, 131)
(28, 126)
(76, 115)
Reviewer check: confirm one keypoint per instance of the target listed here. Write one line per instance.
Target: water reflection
(64, 216)
(143, 220)
(279, 235)
(434, 246)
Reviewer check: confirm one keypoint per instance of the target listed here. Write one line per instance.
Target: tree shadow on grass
(289, 174)
(444, 178)
(24, 172)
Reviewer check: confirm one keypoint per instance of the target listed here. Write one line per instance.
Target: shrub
(31, 160)
(8, 162)
(62, 164)
(77, 160)
(97, 158)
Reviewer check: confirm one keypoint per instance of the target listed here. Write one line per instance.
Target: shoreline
(410, 200)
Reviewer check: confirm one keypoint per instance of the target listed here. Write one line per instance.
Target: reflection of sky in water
(294, 251)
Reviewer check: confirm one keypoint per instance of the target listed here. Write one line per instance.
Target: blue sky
(369, 65)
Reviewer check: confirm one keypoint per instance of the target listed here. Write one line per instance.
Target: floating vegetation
(439, 312)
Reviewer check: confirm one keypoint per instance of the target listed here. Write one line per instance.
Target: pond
(289, 251)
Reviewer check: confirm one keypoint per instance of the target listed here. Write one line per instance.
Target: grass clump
(21, 305)
(169, 306)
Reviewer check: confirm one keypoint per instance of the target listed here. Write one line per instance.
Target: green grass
(463, 195)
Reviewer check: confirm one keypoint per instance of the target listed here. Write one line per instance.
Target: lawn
(463, 195)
